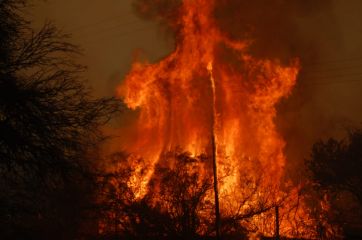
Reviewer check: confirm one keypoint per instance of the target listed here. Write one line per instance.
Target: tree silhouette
(337, 164)
(179, 200)
(335, 168)
(171, 209)
(179, 188)
(48, 124)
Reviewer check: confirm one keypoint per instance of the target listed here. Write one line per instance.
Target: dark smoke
(315, 32)
(284, 30)
(277, 28)
(165, 12)
(274, 27)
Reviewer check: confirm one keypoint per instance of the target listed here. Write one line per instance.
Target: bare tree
(171, 209)
(179, 203)
(337, 164)
(48, 123)
(335, 168)
(180, 188)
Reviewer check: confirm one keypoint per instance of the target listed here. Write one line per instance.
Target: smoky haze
(326, 36)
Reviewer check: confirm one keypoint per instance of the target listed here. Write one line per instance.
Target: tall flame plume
(208, 85)
(175, 98)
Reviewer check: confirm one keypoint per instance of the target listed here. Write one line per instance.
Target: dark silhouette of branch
(49, 124)
(337, 164)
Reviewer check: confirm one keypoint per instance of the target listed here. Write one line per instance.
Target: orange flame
(174, 97)
(210, 84)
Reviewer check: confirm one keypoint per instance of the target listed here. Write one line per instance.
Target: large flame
(175, 98)
(210, 85)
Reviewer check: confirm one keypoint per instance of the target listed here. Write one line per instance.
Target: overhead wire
(331, 69)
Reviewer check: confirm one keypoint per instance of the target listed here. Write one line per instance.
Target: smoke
(274, 27)
(309, 30)
(285, 30)
(277, 28)
(164, 11)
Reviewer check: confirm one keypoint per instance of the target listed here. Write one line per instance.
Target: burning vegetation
(211, 97)
(204, 158)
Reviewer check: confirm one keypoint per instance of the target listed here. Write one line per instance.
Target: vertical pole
(216, 191)
(277, 237)
(214, 153)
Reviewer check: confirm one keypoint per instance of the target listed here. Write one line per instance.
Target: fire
(175, 97)
(210, 85)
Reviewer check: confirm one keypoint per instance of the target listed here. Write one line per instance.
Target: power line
(335, 61)
(334, 75)
(356, 65)
(324, 72)
(345, 81)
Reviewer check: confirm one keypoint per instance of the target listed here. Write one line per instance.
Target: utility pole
(216, 191)
(214, 154)
(277, 237)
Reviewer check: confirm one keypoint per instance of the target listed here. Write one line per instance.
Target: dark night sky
(328, 98)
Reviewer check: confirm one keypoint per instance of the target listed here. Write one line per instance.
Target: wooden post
(216, 191)
(277, 237)
(214, 150)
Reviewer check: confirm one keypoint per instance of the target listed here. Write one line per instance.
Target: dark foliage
(172, 207)
(336, 165)
(178, 203)
(48, 124)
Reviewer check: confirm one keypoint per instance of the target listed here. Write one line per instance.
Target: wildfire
(211, 85)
